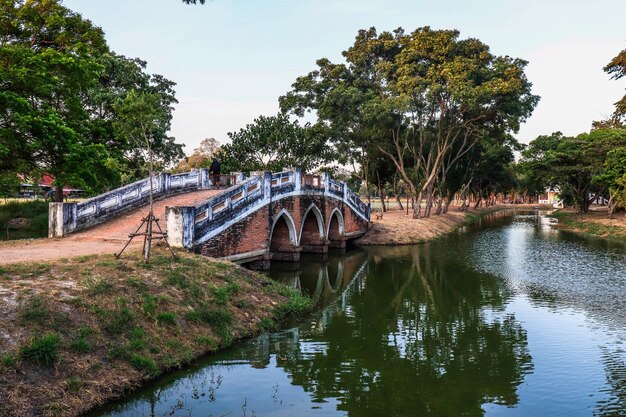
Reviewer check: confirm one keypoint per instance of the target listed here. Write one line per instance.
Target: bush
(42, 350)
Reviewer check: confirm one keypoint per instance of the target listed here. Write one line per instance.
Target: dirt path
(105, 238)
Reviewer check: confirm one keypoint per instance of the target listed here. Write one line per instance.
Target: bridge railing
(231, 199)
(69, 217)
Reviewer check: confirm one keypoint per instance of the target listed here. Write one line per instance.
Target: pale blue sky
(232, 59)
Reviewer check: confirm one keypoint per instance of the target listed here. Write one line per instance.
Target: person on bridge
(215, 170)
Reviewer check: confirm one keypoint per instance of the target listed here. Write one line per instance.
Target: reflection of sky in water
(551, 266)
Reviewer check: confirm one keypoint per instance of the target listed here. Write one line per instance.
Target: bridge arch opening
(336, 230)
(283, 238)
(312, 236)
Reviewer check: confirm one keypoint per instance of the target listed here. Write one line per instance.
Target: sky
(232, 59)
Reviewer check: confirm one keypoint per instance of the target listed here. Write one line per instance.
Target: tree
(201, 157)
(271, 144)
(617, 69)
(574, 165)
(59, 83)
(423, 99)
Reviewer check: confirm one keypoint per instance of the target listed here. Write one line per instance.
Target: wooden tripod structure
(149, 234)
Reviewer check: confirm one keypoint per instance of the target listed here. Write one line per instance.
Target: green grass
(43, 350)
(206, 341)
(167, 318)
(99, 285)
(590, 229)
(35, 310)
(8, 361)
(74, 384)
(143, 364)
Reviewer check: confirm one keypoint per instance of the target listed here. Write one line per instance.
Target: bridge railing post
(326, 179)
(180, 226)
(267, 185)
(165, 182)
(297, 179)
(345, 191)
(203, 179)
(61, 218)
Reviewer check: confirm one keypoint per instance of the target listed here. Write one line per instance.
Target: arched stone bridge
(267, 216)
(271, 216)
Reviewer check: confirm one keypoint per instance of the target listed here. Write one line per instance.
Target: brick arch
(312, 227)
(335, 231)
(283, 236)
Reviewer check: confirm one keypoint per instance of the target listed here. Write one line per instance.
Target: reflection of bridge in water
(329, 280)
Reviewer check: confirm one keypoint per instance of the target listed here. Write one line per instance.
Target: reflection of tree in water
(420, 337)
(615, 368)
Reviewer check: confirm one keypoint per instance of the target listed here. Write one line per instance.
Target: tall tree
(423, 99)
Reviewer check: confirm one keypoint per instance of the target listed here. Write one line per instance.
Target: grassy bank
(593, 224)
(23, 219)
(79, 332)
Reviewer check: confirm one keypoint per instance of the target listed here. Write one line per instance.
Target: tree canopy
(60, 85)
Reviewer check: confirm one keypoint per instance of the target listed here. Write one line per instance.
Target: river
(509, 317)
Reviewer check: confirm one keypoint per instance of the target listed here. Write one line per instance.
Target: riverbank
(593, 224)
(78, 332)
(398, 228)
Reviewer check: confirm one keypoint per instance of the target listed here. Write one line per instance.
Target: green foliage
(267, 323)
(35, 211)
(271, 144)
(42, 350)
(221, 295)
(60, 83)
(617, 69)
(576, 166)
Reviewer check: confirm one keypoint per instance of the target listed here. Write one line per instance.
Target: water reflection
(480, 324)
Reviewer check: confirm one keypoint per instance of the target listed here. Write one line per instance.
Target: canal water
(507, 318)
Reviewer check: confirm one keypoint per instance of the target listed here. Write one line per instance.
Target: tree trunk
(399, 202)
(479, 199)
(417, 206)
(58, 193)
(381, 194)
(612, 205)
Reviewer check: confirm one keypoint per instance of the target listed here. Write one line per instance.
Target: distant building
(43, 187)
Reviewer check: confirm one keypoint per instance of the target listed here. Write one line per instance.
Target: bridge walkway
(107, 237)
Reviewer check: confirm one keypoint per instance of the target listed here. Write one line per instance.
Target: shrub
(42, 350)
